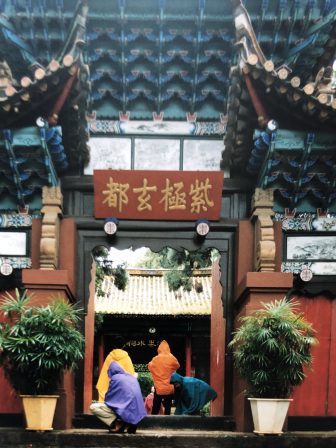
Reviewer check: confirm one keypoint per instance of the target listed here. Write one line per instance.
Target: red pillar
(188, 355)
(101, 349)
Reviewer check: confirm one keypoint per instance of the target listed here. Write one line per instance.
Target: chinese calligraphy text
(158, 195)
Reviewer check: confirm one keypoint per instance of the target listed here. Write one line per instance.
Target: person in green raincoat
(191, 394)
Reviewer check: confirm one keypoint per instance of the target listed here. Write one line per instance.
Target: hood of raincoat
(161, 367)
(119, 354)
(163, 348)
(124, 395)
(122, 357)
(194, 395)
(114, 369)
(176, 378)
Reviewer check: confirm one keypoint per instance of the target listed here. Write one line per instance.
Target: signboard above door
(158, 195)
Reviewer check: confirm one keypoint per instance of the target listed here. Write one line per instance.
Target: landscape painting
(311, 248)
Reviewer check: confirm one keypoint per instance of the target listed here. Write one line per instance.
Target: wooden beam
(295, 82)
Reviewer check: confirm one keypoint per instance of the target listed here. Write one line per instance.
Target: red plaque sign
(158, 195)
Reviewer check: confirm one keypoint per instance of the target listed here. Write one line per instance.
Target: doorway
(146, 297)
(156, 236)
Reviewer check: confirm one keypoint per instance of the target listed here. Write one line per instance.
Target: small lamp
(272, 126)
(111, 226)
(6, 268)
(202, 228)
(41, 122)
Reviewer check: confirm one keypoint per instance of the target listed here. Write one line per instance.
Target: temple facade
(128, 124)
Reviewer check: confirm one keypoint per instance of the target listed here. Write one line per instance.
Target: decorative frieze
(17, 262)
(307, 222)
(15, 220)
(317, 268)
(309, 226)
(156, 127)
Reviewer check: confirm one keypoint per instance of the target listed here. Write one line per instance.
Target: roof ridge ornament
(158, 116)
(245, 34)
(191, 117)
(124, 116)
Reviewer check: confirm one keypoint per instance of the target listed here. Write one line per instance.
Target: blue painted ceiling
(167, 56)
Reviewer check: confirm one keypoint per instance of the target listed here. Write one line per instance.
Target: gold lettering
(199, 196)
(116, 194)
(173, 196)
(144, 196)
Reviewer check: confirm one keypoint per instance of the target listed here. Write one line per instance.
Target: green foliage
(150, 260)
(180, 264)
(145, 378)
(120, 277)
(177, 279)
(105, 268)
(100, 274)
(99, 320)
(38, 342)
(141, 368)
(271, 349)
(206, 410)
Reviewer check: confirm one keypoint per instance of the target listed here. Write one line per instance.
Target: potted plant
(271, 349)
(37, 343)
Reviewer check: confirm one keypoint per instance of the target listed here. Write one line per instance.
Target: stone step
(166, 422)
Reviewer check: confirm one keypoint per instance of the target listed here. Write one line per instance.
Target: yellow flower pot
(39, 411)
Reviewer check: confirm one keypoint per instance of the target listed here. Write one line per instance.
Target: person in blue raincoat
(191, 394)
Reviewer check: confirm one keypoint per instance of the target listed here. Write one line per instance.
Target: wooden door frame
(156, 235)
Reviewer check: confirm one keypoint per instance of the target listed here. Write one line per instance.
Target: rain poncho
(194, 394)
(123, 359)
(161, 367)
(124, 395)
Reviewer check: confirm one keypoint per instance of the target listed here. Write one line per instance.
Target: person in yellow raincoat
(122, 358)
(161, 367)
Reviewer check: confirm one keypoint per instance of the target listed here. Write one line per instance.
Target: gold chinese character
(115, 194)
(144, 196)
(173, 198)
(199, 192)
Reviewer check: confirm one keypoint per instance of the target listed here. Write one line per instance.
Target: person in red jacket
(161, 367)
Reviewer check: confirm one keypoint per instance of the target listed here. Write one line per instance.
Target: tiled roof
(147, 293)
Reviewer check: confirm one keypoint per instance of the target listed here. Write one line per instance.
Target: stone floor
(161, 438)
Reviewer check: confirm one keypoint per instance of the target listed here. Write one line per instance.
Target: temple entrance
(156, 236)
(146, 297)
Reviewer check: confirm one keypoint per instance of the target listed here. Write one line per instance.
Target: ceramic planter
(39, 411)
(269, 414)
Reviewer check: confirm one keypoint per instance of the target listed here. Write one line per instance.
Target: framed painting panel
(202, 154)
(310, 247)
(157, 154)
(109, 153)
(13, 243)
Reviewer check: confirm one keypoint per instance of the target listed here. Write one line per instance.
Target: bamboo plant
(38, 342)
(271, 349)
